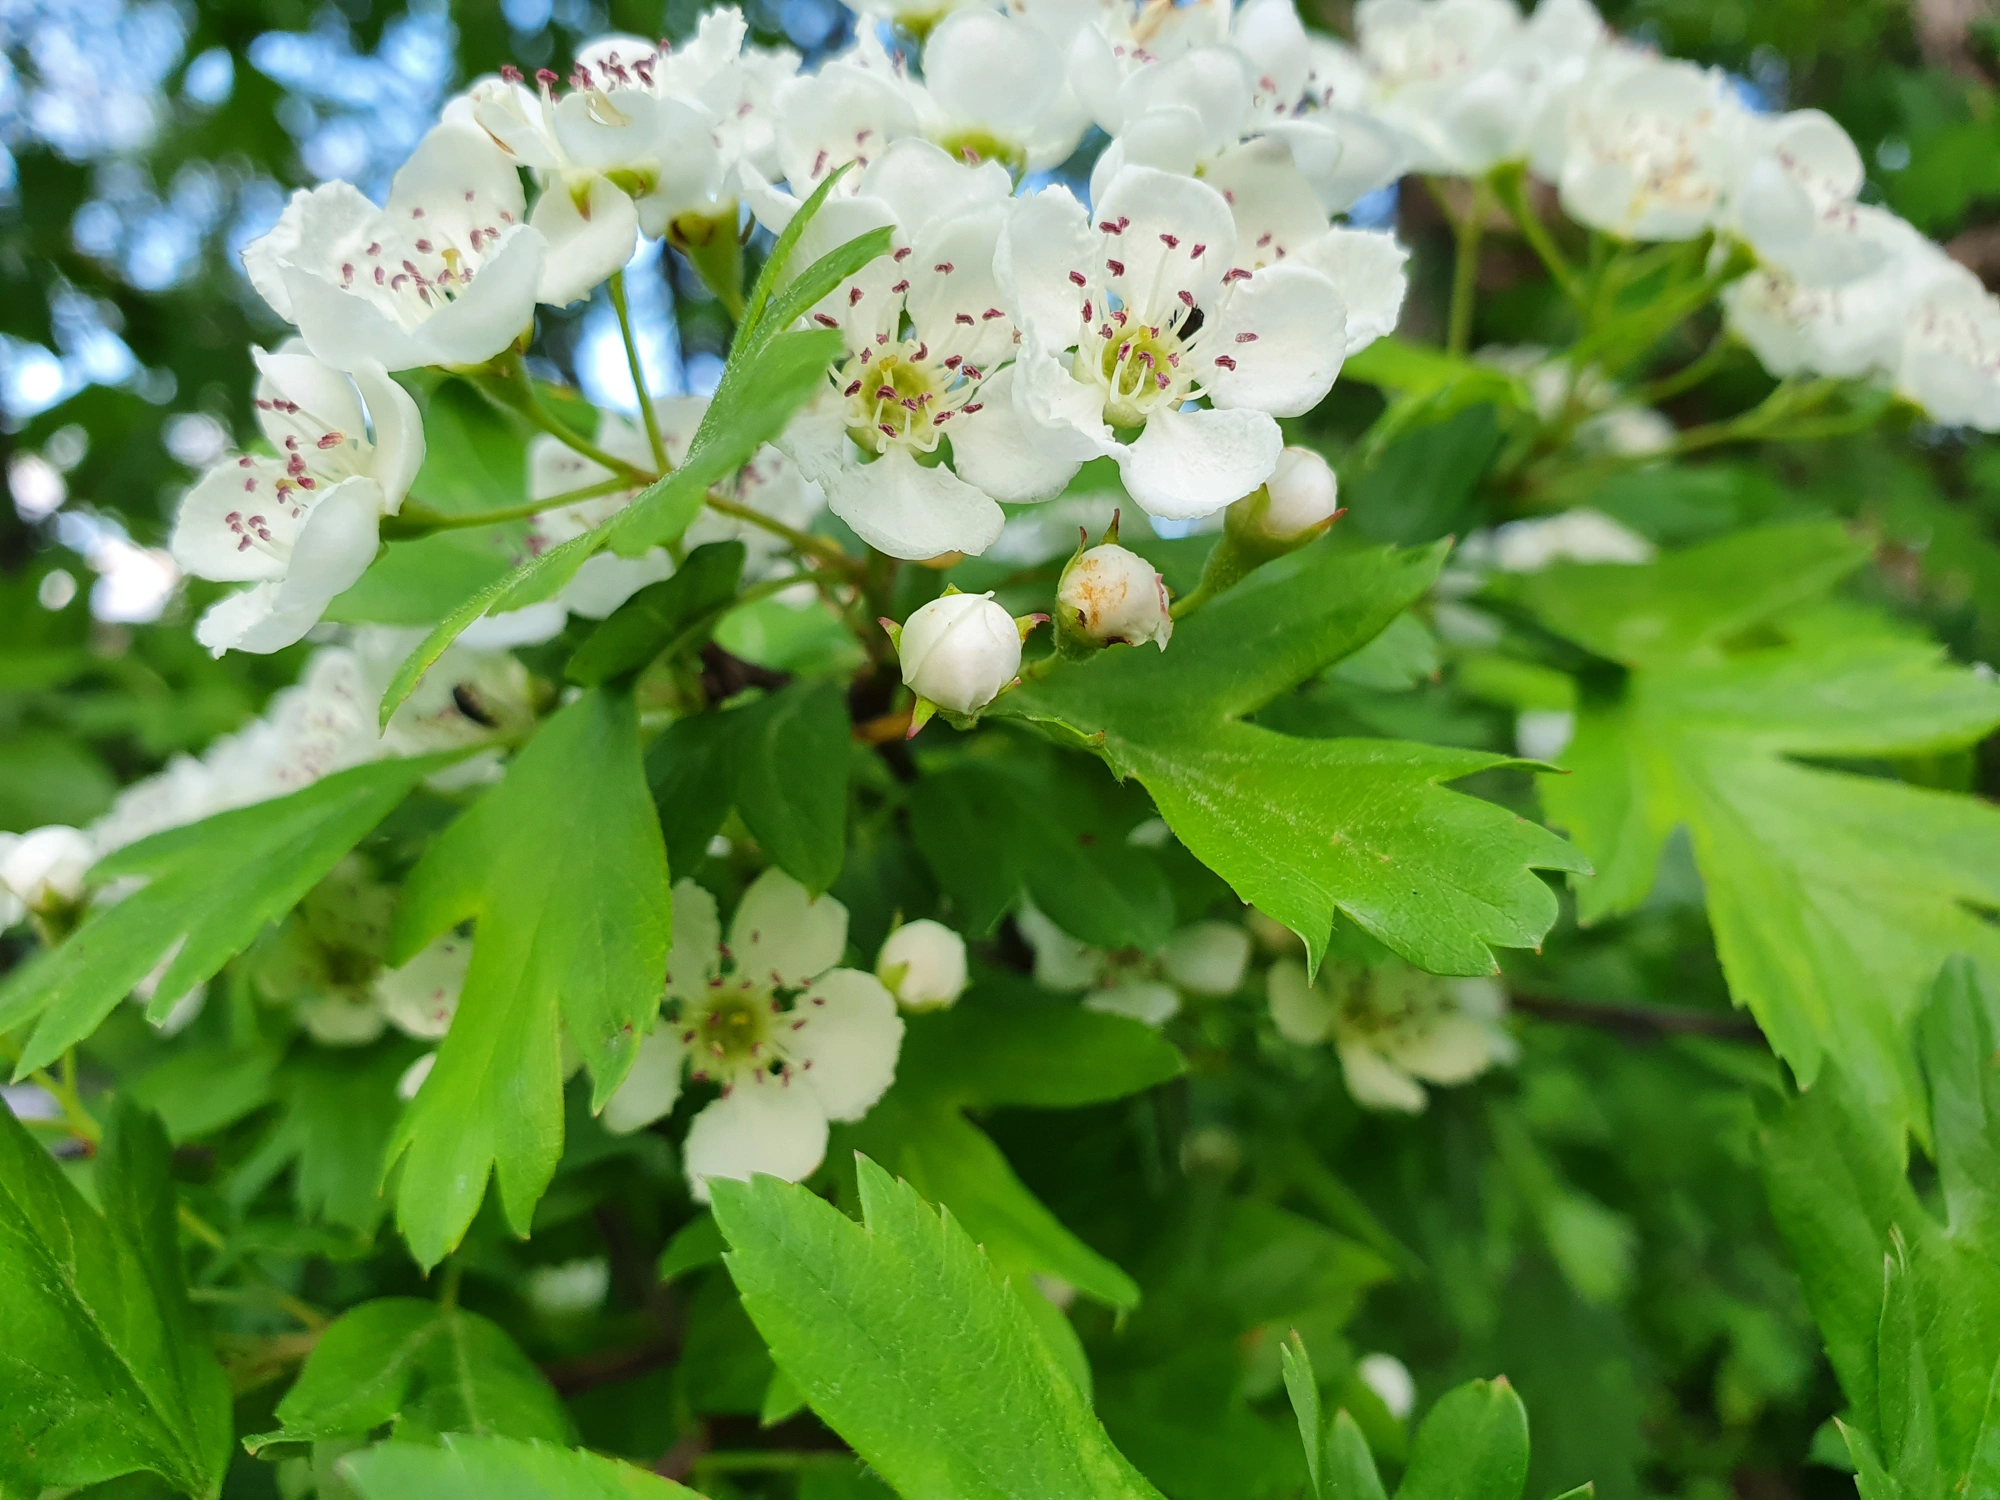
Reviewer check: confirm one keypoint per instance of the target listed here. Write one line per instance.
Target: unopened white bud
(45, 868)
(1304, 494)
(1116, 595)
(960, 651)
(923, 965)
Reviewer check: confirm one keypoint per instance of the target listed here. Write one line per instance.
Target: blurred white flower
(1653, 148)
(42, 870)
(923, 964)
(794, 1040)
(1393, 1025)
(1203, 958)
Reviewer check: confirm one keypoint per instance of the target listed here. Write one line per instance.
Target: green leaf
(1349, 1466)
(1302, 1386)
(337, 1111)
(909, 1347)
(1052, 825)
(695, 1244)
(1421, 486)
(213, 886)
(1472, 1446)
(655, 618)
(982, 1054)
(690, 770)
(204, 1088)
(499, 1468)
(420, 1368)
(1303, 829)
(563, 867)
(102, 1371)
(1909, 1307)
(1834, 897)
(790, 752)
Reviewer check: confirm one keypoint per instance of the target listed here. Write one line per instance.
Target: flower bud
(1305, 496)
(960, 651)
(923, 965)
(1110, 594)
(45, 868)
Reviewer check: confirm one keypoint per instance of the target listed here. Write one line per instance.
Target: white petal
(1377, 1083)
(555, 468)
(1369, 269)
(495, 310)
(1061, 962)
(1302, 1012)
(325, 399)
(1048, 235)
(993, 72)
(996, 451)
(1144, 1000)
(1178, 237)
(1284, 332)
(1169, 136)
(1063, 412)
(1275, 210)
(1213, 81)
(652, 1088)
(335, 547)
(453, 166)
(760, 1125)
(958, 311)
(587, 241)
(209, 544)
(1192, 463)
(1344, 154)
(421, 997)
(783, 933)
(898, 506)
(398, 433)
(1449, 1050)
(846, 1043)
(312, 221)
(923, 185)
(876, 310)
(693, 959)
(1207, 957)
(252, 621)
(344, 328)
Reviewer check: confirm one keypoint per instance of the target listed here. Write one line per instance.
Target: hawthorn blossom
(42, 871)
(1393, 1025)
(1131, 315)
(923, 965)
(445, 273)
(1469, 84)
(997, 89)
(1950, 360)
(848, 113)
(1653, 148)
(1203, 958)
(611, 154)
(1794, 203)
(960, 651)
(300, 527)
(925, 376)
(794, 1040)
(1108, 593)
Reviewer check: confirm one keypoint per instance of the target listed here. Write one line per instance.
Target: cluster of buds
(961, 651)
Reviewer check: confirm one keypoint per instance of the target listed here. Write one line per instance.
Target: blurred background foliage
(1591, 1222)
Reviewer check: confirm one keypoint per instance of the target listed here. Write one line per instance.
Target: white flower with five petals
(444, 274)
(1203, 958)
(304, 525)
(1130, 320)
(794, 1040)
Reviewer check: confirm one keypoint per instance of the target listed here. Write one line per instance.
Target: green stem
(415, 520)
(1188, 603)
(1689, 375)
(646, 413)
(1510, 189)
(79, 1121)
(513, 389)
(1467, 232)
(454, 1274)
(773, 1461)
(824, 548)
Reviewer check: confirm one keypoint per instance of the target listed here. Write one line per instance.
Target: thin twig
(1639, 1022)
(651, 418)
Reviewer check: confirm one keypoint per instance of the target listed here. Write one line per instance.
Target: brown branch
(586, 1372)
(1638, 1022)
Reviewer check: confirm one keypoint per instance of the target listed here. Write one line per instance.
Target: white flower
(304, 525)
(1794, 203)
(1390, 1379)
(1305, 495)
(1203, 958)
(1653, 148)
(851, 111)
(1581, 535)
(960, 651)
(996, 89)
(1950, 359)
(421, 997)
(612, 155)
(926, 337)
(1468, 83)
(445, 274)
(1393, 1025)
(1112, 594)
(923, 964)
(794, 1041)
(1614, 425)
(1128, 321)
(42, 870)
(917, 16)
